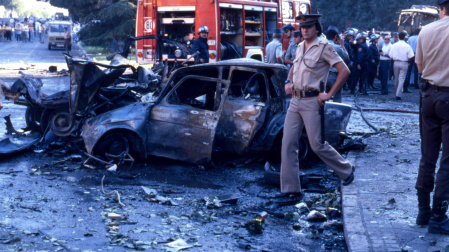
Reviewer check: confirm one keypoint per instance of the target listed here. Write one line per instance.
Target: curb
(354, 229)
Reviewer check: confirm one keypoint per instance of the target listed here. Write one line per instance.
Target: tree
(115, 21)
(105, 19)
(12, 4)
(7, 4)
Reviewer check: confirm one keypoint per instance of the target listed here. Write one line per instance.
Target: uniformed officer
(307, 77)
(334, 39)
(374, 62)
(273, 50)
(432, 61)
(348, 44)
(288, 30)
(291, 51)
(360, 66)
(200, 44)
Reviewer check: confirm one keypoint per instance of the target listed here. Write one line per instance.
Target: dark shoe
(349, 180)
(295, 195)
(398, 98)
(364, 92)
(423, 217)
(383, 93)
(352, 92)
(438, 227)
(407, 91)
(417, 87)
(439, 223)
(424, 213)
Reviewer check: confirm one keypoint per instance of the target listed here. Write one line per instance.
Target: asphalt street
(50, 201)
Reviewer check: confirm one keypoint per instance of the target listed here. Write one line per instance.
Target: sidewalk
(380, 207)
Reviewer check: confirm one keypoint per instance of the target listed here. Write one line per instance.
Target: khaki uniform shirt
(432, 52)
(312, 66)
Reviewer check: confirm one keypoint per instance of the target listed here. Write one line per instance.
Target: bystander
(400, 53)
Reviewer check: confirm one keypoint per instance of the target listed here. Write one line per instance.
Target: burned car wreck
(234, 106)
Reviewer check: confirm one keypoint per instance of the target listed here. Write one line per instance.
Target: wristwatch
(287, 81)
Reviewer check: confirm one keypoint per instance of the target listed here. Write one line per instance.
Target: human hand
(359, 67)
(323, 97)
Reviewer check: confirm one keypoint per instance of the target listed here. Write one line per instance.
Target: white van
(56, 33)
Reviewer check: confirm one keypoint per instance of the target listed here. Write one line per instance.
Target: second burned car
(235, 106)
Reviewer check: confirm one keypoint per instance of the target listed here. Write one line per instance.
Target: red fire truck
(237, 28)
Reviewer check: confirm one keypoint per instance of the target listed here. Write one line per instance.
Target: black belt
(401, 61)
(303, 94)
(429, 85)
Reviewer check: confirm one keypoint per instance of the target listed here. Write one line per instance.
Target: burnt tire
(275, 153)
(114, 144)
(31, 116)
(61, 123)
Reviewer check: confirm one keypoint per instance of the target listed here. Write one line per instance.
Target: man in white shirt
(401, 53)
(384, 66)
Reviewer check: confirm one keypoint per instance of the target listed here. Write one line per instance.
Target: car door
(245, 109)
(182, 125)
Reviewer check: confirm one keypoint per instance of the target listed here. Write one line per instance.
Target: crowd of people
(29, 30)
(368, 56)
(22, 31)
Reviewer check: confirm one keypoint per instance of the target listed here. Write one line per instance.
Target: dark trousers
(372, 72)
(411, 67)
(359, 76)
(391, 75)
(434, 122)
(384, 72)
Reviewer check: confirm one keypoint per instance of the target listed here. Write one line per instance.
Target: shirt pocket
(310, 63)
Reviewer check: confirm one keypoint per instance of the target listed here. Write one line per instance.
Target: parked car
(235, 106)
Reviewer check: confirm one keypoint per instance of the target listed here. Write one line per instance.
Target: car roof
(242, 62)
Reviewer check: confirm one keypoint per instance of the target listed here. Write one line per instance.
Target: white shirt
(386, 50)
(401, 51)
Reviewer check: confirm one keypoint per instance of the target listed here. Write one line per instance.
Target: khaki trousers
(305, 112)
(400, 73)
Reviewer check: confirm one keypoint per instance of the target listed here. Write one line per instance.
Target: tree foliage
(364, 14)
(12, 4)
(105, 19)
(7, 4)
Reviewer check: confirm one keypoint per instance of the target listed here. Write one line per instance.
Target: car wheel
(274, 156)
(113, 144)
(61, 123)
(49, 46)
(30, 118)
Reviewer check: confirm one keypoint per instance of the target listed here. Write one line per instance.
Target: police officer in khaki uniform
(308, 74)
(432, 61)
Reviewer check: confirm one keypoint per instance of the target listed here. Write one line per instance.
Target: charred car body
(235, 106)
